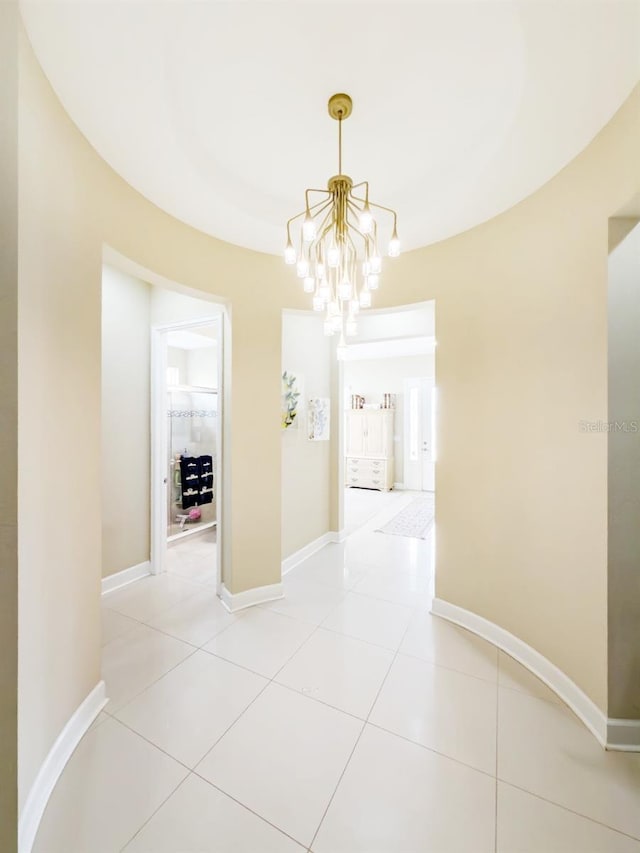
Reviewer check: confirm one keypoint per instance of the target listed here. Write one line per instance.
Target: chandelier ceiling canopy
(337, 252)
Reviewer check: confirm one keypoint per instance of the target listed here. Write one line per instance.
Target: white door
(419, 434)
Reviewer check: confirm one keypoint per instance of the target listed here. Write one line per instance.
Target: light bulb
(394, 245)
(366, 221)
(324, 290)
(351, 328)
(354, 306)
(333, 256)
(308, 229)
(289, 253)
(302, 268)
(320, 273)
(365, 299)
(309, 284)
(318, 303)
(372, 282)
(375, 264)
(328, 328)
(345, 290)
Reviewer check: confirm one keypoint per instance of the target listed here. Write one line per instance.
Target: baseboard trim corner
(250, 597)
(338, 536)
(53, 765)
(126, 576)
(572, 695)
(306, 551)
(623, 735)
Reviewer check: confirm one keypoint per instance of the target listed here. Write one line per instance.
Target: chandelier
(337, 256)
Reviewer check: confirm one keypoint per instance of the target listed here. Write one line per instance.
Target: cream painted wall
(624, 478)
(306, 353)
(71, 205)
(522, 359)
(125, 421)
(522, 337)
(375, 377)
(9, 21)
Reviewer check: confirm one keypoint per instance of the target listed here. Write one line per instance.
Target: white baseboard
(623, 735)
(398, 486)
(299, 556)
(125, 577)
(572, 695)
(54, 764)
(250, 597)
(337, 535)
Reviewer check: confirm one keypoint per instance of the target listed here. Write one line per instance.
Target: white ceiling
(216, 111)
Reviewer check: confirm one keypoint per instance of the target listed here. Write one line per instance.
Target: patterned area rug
(414, 520)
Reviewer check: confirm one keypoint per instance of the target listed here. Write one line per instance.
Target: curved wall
(521, 328)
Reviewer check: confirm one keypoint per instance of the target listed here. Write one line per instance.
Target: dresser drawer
(368, 473)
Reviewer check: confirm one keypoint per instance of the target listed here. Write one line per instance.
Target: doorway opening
(186, 448)
(388, 389)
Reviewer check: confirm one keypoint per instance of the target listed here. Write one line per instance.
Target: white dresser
(369, 455)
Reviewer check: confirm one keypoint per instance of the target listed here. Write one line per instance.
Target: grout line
(571, 811)
(245, 806)
(431, 749)
(366, 722)
(155, 812)
(490, 681)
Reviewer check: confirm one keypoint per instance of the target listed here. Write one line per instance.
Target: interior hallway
(341, 719)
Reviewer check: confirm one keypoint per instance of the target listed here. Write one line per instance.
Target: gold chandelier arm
(381, 207)
(366, 195)
(325, 227)
(306, 198)
(304, 212)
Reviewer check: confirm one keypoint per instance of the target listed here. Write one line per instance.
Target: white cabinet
(369, 457)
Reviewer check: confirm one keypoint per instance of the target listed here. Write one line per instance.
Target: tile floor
(342, 719)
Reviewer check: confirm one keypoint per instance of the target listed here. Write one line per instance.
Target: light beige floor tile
(543, 748)
(194, 562)
(396, 797)
(513, 675)
(527, 824)
(442, 709)
(196, 619)
(112, 784)
(261, 640)
(283, 759)
(187, 710)
(306, 600)
(328, 567)
(370, 619)
(198, 818)
(402, 553)
(435, 640)
(133, 662)
(101, 718)
(115, 625)
(338, 670)
(398, 587)
(150, 596)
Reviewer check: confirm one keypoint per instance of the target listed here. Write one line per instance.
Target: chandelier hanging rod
(337, 255)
